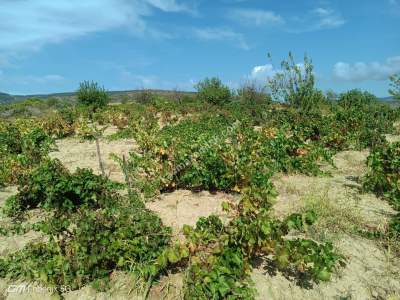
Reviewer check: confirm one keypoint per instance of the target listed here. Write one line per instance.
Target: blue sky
(50, 46)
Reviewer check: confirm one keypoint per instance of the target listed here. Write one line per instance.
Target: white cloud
(362, 71)
(328, 18)
(263, 72)
(170, 6)
(256, 17)
(317, 19)
(27, 25)
(221, 34)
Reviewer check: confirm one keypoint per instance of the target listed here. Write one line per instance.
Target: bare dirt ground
(74, 153)
(371, 271)
(183, 207)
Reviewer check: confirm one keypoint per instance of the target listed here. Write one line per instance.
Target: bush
(145, 96)
(383, 178)
(92, 95)
(295, 84)
(92, 232)
(22, 147)
(91, 245)
(56, 126)
(213, 91)
(253, 94)
(51, 186)
(383, 175)
(356, 99)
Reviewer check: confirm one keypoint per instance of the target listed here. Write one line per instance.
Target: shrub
(36, 144)
(383, 178)
(145, 96)
(51, 186)
(253, 94)
(10, 139)
(21, 148)
(395, 86)
(295, 84)
(56, 126)
(213, 91)
(92, 95)
(91, 245)
(92, 232)
(383, 175)
(356, 99)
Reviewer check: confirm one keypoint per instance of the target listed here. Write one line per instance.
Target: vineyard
(216, 195)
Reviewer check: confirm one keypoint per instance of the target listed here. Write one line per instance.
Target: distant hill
(6, 98)
(386, 99)
(114, 95)
(117, 95)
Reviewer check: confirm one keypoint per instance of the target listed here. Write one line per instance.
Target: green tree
(295, 84)
(92, 95)
(213, 91)
(356, 99)
(395, 86)
(251, 93)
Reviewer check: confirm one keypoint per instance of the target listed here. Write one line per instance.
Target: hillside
(6, 98)
(129, 94)
(114, 95)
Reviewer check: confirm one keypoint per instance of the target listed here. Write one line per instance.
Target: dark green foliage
(394, 226)
(92, 95)
(356, 99)
(383, 178)
(92, 231)
(221, 255)
(215, 153)
(51, 186)
(91, 244)
(213, 91)
(220, 277)
(383, 175)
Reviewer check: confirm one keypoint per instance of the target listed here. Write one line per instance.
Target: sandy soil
(183, 207)
(9, 244)
(74, 153)
(371, 272)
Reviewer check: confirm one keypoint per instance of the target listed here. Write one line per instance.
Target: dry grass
(334, 218)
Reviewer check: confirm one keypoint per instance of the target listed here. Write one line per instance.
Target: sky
(49, 46)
